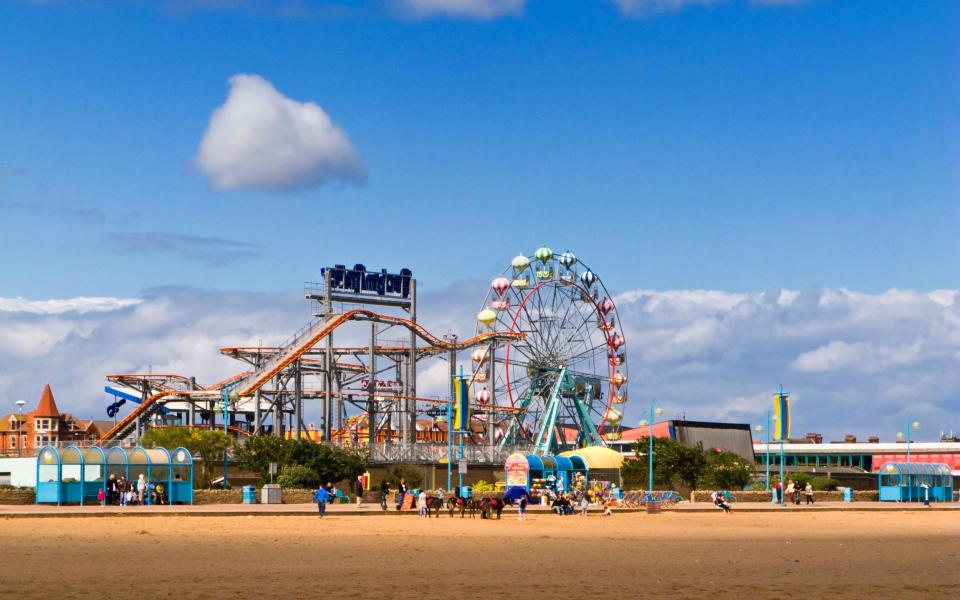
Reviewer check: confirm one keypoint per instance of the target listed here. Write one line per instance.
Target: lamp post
(653, 412)
(766, 461)
(228, 395)
(906, 434)
(20, 404)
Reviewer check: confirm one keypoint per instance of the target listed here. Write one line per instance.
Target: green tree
(207, 446)
(728, 471)
(329, 463)
(672, 462)
(258, 451)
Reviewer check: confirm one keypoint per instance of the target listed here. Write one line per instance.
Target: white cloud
(858, 363)
(647, 8)
(79, 305)
(472, 9)
(260, 139)
(859, 357)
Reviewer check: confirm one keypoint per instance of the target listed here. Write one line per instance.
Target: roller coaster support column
(411, 405)
(328, 361)
(191, 409)
(371, 390)
(298, 401)
(491, 431)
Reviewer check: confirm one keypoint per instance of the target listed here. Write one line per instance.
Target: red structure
(45, 424)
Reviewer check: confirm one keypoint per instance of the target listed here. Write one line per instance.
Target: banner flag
(781, 412)
(461, 421)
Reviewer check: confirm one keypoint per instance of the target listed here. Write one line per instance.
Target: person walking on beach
(401, 492)
(797, 490)
(122, 489)
(522, 514)
(384, 492)
(422, 503)
(790, 489)
(808, 492)
(321, 497)
(359, 491)
(779, 492)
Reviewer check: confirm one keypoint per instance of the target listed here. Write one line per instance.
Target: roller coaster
(547, 368)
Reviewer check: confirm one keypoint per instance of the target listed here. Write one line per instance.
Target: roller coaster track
(247, 383)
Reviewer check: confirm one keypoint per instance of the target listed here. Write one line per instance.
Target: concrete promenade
(335, 510)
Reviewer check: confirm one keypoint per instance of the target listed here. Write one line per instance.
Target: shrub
(482, 486)
(800, 479)
(298, 476)
(412, 474)
(823, 484)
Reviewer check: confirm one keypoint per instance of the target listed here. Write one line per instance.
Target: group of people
(795, 490)
(121, 492)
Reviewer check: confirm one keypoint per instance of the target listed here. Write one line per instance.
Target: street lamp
(228, 395)
(901, 435)
(654, 412)
(760, 429)
(20, 404)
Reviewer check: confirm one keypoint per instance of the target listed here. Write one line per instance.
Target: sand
(672, 555)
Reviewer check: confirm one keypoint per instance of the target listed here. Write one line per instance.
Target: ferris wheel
(564, 382)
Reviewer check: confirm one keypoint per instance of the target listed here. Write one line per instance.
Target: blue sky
(732, 146)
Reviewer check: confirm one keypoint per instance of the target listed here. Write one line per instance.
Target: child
(522, 515)
(101, 497)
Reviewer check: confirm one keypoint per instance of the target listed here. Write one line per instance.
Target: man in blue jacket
(321, 497)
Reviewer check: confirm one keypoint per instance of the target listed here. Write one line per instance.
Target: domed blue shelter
(74, 475)
(915, 482)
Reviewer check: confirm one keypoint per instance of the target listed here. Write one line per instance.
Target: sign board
(462, 467)
(517, 470)
(359, 281)
(273, 468)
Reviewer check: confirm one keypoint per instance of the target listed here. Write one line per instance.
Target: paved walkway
(32, 510)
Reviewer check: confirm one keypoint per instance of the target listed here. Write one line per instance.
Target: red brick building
(45, 424)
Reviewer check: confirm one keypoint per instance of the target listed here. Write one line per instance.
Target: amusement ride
(546, 370)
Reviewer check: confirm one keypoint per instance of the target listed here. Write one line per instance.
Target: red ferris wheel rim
(606, 334)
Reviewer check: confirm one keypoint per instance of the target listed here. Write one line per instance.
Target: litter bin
(466, 492)
(249, 494)
(848, 494)
(653, 506)
(271, 494)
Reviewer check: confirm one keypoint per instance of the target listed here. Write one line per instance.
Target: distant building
(731, 437)
(45, 424)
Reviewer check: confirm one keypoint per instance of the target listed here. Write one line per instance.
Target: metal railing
(434, 453)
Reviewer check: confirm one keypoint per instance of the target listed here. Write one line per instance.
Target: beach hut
(602, 463)
(915, 482)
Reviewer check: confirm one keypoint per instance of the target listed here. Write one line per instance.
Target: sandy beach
(672, 555)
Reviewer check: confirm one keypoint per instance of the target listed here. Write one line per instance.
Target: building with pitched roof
(45, 424)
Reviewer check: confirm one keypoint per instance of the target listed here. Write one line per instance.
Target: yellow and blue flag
(781, 412)
(461, 421)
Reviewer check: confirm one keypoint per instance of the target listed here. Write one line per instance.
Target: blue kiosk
(915, 482)
(536, 473)
(74, 475)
